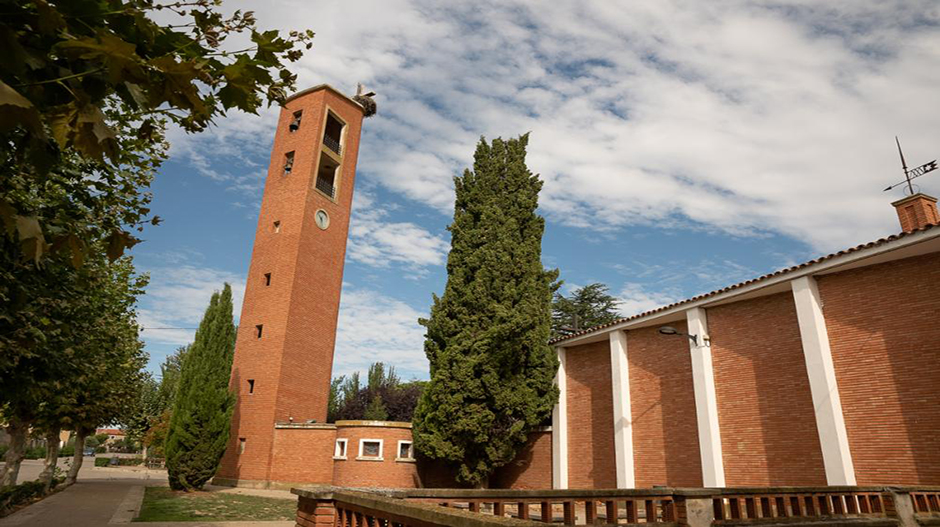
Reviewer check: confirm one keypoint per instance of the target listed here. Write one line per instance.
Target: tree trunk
(14, 456)
(52, 457)
(79, 456)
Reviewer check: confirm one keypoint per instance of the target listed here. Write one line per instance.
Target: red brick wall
(591, 462)
(662, 399)
(291, 364)
(884, 330)
(303, 455)
(532, 468)
(387, 473)
(765, 407)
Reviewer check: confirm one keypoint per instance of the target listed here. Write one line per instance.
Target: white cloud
(377, 328)
(177, 297)
(375, 241)
(743, 116)
(635, 298)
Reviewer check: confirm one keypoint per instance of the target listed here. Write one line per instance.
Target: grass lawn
(164, 505)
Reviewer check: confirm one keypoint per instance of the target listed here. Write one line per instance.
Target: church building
(825, 373)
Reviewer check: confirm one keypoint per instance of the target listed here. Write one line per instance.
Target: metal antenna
(912, 173)
(907, 174)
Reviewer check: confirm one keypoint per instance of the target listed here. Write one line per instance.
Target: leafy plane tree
(487, 337)
(66, 63)
(201, 417)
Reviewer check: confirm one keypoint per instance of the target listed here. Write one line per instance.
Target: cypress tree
(202, 411)
(492, 370)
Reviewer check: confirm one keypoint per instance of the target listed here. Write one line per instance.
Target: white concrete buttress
(623, 416)
(560, 427)
(706, 402)
(830, 423)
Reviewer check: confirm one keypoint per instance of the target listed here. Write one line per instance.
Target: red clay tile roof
(843, 252)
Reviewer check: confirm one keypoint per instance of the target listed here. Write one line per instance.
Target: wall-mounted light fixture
(669, 330)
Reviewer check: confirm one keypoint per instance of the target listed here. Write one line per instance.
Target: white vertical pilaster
(822, 383)
(706, 403)
(623, 417)
(560, 427)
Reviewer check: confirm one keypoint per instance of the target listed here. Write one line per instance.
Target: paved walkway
(89, 503)
(111, 496)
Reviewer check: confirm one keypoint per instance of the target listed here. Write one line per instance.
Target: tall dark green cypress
(492, 369)
(202, 412)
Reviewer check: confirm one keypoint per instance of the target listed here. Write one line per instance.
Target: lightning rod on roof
(915, 172)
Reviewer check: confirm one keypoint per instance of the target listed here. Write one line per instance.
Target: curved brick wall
(387, 473)
(303, 455)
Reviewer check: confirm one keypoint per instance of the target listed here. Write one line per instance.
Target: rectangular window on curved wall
(370, 449)
(339, 451)
(405, 451)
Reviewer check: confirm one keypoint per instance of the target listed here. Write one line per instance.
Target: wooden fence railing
(666, 507)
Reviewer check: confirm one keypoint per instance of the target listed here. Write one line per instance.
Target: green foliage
(201, 416)
(376, 410)
(385, 398)
(67, 451)
(14, 495)
(100, 439)
(66, 64)
(121, 461)
(155, 401)
(36, 452)
(587, 307)
(487, 337)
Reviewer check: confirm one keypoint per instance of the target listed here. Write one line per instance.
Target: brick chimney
(917, 212)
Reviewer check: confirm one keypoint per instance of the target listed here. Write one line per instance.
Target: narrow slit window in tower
(326, 176)
(267, 279)
(277, 226)
(295, 121)
(288, 162)
(333, 134)
(251, 386)
(241, 445)
(259, 328)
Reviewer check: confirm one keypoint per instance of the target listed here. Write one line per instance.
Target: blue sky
(684, 146)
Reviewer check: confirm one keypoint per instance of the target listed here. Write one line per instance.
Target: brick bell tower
(284, 348)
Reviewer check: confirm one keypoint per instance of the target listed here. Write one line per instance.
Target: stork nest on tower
(364, 98)
(367, 103)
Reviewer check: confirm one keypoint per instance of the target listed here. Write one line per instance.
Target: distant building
(825, 373)
(114, 434)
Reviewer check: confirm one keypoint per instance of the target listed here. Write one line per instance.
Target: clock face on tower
(322, 219)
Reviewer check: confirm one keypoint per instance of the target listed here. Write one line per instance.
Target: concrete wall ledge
(655, 491)
(310, 426)
(423, 513)
(827, 521)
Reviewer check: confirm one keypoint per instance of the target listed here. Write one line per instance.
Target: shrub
(100, 450)
(37, 452)
(121, 461)
(18, 494)
(67, 451)
(3, 450)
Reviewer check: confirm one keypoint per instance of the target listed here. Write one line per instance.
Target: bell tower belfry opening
(284, 349)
